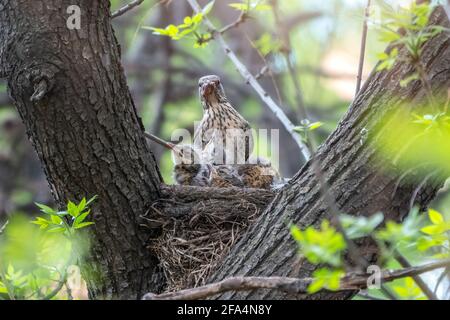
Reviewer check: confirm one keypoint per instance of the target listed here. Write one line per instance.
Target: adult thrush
(222, 124)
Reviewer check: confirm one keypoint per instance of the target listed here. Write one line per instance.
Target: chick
(258, 173)
(188, 169)
(222, 176)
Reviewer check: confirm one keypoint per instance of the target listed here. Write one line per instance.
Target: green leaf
(404, 82)
(425, 243)
(207, 9)
(324, 245)
(55, 219)
(358, 227)
(262, 7)
(409, 290)
(57, 229)
(435, 217)
(43, 223)
(315, 125)
(45, 209)
(10, 270)
(81, 218)
(83, 224)
(317, 285)
(267, 44)
(91, 200)
(388, 60)
(435, 229)
(188, 21)
(299, 129)
(82, 205)
(3, 288)
(239, 6)
(197, 18)
(296, 233)
(388, 36)
(325, 278)
(72, 209)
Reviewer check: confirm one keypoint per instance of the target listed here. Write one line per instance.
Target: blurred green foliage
(34, 261)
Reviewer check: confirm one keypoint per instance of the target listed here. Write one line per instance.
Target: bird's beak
(208, 88)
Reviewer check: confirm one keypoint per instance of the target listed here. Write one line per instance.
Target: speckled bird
(219, 120)
(259, 173)
(188, 167)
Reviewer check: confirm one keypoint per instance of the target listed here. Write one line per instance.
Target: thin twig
(58, 288)
(126, 8)
(362, 52)
(419, 187)
(242, 17)
(250, 79)
(417, 279)
(161, 142)
(351, 281)
(2, 228)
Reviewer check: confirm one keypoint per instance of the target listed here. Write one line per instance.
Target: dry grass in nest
(191, 248)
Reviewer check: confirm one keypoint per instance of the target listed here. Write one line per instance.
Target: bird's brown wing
(255, 176)
(226, 176)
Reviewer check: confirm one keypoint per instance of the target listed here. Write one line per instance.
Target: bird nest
(192, 246)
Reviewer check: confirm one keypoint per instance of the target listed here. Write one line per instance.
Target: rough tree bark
(355, 176)
(70, 90)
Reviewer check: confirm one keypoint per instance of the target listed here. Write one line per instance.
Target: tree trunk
(70, 90)
(348, 160)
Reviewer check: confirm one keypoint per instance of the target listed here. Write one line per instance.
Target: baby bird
(222, 123)
(259, 173)
(188, 169)
(222, 176)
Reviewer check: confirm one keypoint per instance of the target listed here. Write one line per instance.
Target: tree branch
(126, 8)
(2, 228)
(350, 281)
(363, 48)
(418, 280)
(242, 17)
(245, 73)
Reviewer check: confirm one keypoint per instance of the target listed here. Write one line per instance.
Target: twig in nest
(351, 281)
